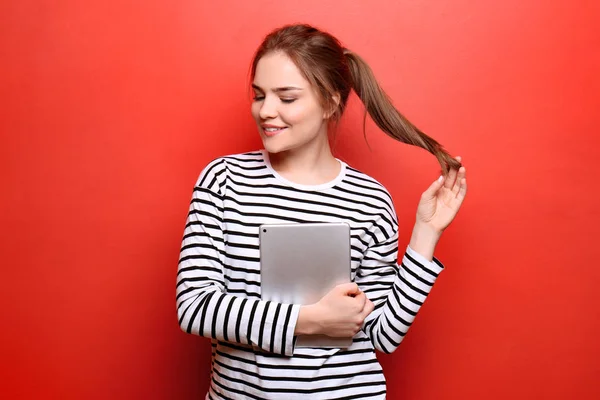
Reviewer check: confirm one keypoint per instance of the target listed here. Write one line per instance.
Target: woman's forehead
(277, 71)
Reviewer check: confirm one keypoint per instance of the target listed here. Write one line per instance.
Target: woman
(302, 78)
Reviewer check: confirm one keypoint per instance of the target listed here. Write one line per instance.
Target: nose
(268, 108)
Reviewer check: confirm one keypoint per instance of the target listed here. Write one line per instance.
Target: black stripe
(294, 192)
(186, 310)
(393, 327)
(206, 214)
(210, 171)
(329, 204)
(250, 322)
(292, 378)
(241, 392)
(407, 297)
(417, 277)
(213, 332)
(198, 279)
(202, 234)
(245, 157)
(418, 264)
(403, 308)
(204, 311)
(361, 396)
(286, 325)
(328, 365)
(238, 323)
(244, 293)
(195, 313)
(389, 339)
(263, 320)
(182, 293)
(244, 281)
(200, 268)
(296, 390)
(298, 355)
(273, 329)
(410, 285)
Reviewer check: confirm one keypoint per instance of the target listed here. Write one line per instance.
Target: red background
(109, 110)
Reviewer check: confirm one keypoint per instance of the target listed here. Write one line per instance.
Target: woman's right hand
(340, 313)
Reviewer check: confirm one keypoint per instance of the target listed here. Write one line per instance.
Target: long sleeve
(398, 291)
(203, 306)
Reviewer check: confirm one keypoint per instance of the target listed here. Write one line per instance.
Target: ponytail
(387, 117)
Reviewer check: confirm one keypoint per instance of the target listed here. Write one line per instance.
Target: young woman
(301, 79)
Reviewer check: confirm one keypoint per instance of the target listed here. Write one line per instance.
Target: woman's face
(286, 109)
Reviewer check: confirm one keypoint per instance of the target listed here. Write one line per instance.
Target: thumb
(350, 288)
(434, 187)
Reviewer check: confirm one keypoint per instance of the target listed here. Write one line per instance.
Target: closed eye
(261, 98)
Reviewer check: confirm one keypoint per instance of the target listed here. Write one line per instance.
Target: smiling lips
(272, 130)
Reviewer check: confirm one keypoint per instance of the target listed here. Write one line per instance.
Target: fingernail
(441, 178)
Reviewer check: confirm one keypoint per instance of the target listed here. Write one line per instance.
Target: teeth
(272, 129)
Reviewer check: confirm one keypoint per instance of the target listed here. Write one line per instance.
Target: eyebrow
(279, 89)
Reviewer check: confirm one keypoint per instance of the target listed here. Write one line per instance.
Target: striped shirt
(218, 282)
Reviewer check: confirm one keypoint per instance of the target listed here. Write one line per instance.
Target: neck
(311, 164)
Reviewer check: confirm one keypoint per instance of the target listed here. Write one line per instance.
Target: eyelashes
(286, 101)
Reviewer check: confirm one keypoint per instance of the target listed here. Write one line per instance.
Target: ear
(334, 106)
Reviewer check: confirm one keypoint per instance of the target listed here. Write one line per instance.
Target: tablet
(300, 263)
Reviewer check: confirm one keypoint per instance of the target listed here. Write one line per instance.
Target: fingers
(361, 298)
(368, 309)
(461, 181)
(460, 185)
(348, 289)
(433, 188)
(463, 190)
(457, 179)
(451, 178)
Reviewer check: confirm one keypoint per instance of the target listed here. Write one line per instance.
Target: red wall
(109, 110)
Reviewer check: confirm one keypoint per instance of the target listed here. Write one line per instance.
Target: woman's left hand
(440, 203)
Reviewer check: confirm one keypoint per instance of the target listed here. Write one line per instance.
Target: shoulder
(375, 199)
(368, 185)
(214, 174)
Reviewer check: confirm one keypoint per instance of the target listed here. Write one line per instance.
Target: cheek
(254, 110)
(301, 113)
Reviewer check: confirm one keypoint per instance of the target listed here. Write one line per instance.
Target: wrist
(427, 231)
(307, 324)
(424, 239)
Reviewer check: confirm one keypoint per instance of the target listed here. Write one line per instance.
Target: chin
(274, 147)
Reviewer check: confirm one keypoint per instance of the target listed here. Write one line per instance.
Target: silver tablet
(300, 263)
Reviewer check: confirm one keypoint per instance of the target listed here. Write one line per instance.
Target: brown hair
(334, 70)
